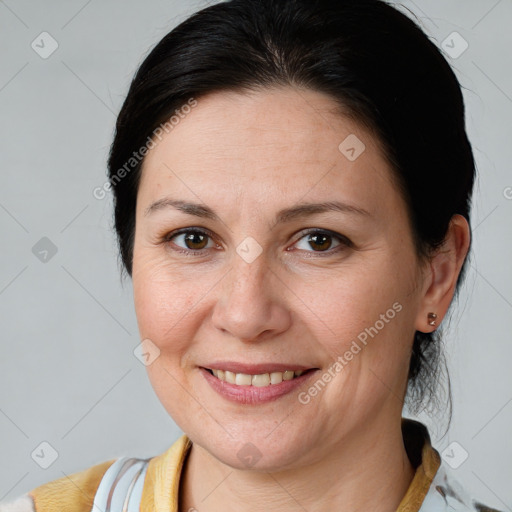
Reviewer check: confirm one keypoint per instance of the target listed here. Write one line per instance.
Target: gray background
(68, 373)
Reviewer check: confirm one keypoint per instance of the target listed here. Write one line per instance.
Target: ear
(442, 273)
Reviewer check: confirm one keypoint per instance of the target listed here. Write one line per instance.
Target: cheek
(164, 305)
(163, 300)
(364, 310)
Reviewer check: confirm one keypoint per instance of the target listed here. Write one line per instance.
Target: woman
(292, 184)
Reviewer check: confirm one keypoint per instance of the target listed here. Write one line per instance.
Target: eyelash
(344, 241)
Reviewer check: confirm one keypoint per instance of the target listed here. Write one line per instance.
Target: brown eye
(195, 240)
(322, 241)
(191, 240)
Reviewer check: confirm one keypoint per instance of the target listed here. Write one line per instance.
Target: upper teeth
(263, 379)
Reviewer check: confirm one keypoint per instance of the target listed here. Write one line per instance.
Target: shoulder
(21, 504)
(446, 493)
(72, 493)
(434, 487)
(124, 480)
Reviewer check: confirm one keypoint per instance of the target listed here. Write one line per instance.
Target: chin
(254, 449)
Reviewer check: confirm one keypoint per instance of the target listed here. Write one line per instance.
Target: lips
(255, 384)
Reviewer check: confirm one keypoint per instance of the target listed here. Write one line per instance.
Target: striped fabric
(121, 487)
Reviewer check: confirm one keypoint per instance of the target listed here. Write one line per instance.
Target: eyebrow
(284, 215)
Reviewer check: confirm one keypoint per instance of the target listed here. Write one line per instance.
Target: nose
(251, 302)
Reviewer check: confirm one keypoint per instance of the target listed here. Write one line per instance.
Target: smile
(260, 380)
(256, 388)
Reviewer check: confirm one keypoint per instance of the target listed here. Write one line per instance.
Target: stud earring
(432, 319)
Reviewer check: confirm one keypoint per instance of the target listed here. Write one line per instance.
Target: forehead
(284, 140)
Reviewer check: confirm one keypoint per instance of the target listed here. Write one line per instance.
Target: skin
(246, 156)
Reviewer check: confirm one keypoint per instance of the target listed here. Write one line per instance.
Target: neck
(370, 471)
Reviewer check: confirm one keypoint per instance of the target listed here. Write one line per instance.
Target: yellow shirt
(160, 492)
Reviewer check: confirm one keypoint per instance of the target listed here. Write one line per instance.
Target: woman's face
(256, 284)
